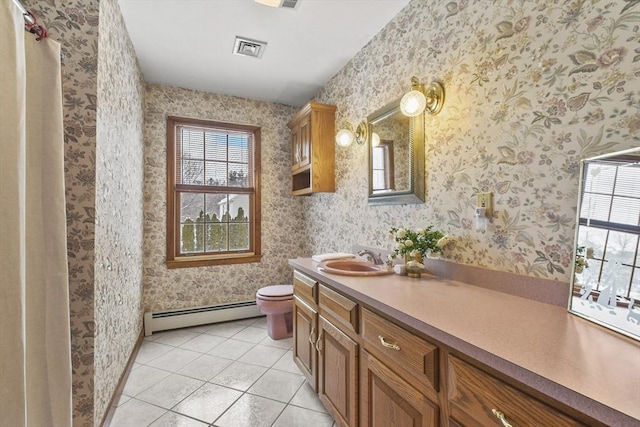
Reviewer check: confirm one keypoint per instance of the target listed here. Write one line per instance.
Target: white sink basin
(353, 268)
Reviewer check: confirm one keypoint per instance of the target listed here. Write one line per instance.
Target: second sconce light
(346, 136)
(421, 98)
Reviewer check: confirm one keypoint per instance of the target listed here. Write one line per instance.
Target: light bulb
(413, 103)
(375, 139)
(344, 137)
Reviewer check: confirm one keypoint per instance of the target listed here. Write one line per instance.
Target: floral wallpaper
(74, 24)
(282, 217)
(531, 87)
(119, 204)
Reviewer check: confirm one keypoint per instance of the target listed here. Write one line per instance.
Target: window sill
(189, 262)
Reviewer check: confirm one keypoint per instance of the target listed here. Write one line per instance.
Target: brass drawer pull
(499, 415)
(394, 346)
(311, 334)
(318, 343)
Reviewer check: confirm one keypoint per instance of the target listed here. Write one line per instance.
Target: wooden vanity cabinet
(313, 149)
(478, 398)
(325, 346)
(338, 373)
(305, 327)
(399, 379)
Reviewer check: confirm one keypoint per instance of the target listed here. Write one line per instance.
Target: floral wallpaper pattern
(74, 24)
(282, 219)
(531, 87)
(119, 204)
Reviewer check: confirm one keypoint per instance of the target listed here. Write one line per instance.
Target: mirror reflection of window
(382, 166)
(609, 222)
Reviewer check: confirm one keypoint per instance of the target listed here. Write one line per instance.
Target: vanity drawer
(412, 357)
(477, 398)
(305, 288)
(338, 308)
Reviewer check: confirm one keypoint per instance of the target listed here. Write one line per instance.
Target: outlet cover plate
(485, 200)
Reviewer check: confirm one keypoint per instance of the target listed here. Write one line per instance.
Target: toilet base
(280, 326)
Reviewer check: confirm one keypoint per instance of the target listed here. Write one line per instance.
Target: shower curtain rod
(30, 22)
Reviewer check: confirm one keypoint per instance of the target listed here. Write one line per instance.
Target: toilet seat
(275, 293)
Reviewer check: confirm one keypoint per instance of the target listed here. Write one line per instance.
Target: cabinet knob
(499, 415)
(393, 346)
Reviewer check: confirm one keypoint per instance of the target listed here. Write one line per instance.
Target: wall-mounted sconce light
(420, 98)
(346, 136)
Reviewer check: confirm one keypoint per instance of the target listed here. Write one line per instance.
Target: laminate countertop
(572, 360)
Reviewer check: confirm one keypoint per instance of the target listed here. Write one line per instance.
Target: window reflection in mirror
(606, 279)
(382, 167)
(396, 162)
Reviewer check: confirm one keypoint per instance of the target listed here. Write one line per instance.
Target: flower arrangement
(419, 242)
(582, 254)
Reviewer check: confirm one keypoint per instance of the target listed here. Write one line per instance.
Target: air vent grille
(248, 47)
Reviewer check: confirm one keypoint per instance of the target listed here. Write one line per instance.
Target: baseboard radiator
(174, 319)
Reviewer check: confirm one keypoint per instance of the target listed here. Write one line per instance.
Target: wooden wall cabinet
(313, 149)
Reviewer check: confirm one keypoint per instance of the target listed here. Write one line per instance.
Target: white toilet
(277, 303)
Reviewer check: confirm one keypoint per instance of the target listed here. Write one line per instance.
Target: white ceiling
(189, 43)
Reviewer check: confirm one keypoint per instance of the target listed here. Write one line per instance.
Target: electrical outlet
(485, 200)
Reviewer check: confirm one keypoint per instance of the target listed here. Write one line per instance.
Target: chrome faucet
(376, 258)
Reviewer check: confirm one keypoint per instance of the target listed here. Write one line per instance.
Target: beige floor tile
(171, 390)
(171, 419)
(150, 350)
(143, 378)
(307, 398)
(285, 343)
(277, 385)
(251, 411)
(227, 329)
(260, 322)
(175, 359)
(251, 334)
(263, 355)
(286, 363)
(294, 416)
(239, 376)
(231, 349)
(208, 402)
(205, 367)
(176, 337)
(136, 413)
(203, 343)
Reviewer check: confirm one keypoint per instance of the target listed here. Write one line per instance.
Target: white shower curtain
(35, 349)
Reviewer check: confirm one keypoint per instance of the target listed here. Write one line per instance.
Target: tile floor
(226, 375)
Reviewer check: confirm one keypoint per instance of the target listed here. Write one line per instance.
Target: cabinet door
(305, 334)
(305, 142)
(388, 400)
(338, 374)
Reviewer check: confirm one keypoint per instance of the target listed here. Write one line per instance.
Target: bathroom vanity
(397, 351)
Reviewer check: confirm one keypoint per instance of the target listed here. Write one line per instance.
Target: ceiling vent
(247, 47)
(285, 4)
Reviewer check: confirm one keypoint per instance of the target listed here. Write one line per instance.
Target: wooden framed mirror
(396, 157)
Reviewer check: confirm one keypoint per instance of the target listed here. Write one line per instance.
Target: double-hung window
(213, 193)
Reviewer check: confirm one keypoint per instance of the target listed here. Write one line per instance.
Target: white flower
(420, 230)
(400, 246)
(401, 233)
(446, 242)
(408, 243)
